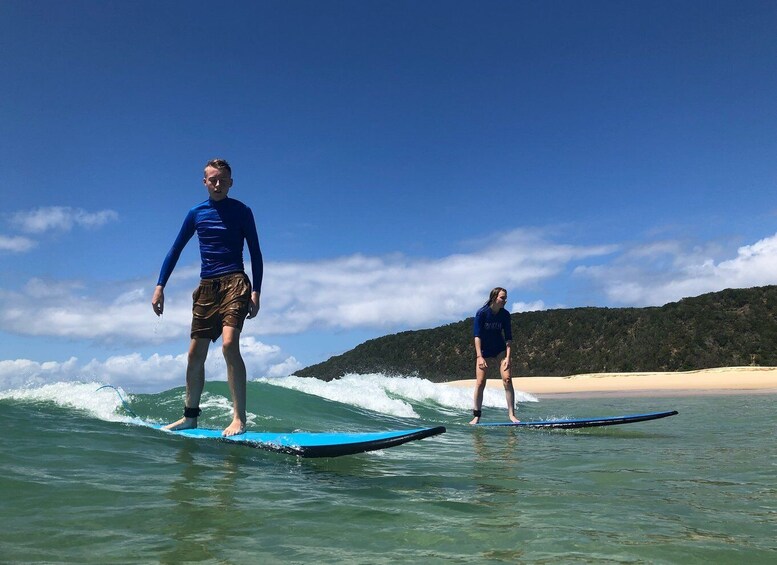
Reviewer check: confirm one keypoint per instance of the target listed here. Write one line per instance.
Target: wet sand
(724, 380)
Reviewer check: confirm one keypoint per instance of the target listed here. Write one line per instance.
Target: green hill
(734, 327)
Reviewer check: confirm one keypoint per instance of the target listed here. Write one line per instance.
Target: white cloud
(396, 291)
(534, 306)
(668, 271)
(391, 293)
(344, 293)
(53, 218)
(139, 374)
(21, 372)
(16, 244)
(285, 368)
(60, 218)
(71, 309)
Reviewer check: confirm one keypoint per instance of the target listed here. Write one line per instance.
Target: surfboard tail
(336, 450)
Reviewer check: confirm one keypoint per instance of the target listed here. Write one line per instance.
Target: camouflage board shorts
(218, 302)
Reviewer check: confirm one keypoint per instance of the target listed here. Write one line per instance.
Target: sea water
(79, 482)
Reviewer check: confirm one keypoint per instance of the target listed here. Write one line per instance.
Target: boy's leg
(236, 376)
(195, 382)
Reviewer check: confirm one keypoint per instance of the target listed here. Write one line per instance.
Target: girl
(493, 338)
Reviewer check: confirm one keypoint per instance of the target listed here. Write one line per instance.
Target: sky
(401, 159)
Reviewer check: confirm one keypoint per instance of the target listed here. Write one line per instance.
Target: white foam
(102, 404)
(393, 395)
(214, 404)
(355, 392)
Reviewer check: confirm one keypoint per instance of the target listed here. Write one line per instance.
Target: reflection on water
(206, 501)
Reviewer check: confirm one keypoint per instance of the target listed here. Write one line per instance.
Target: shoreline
(722, 380)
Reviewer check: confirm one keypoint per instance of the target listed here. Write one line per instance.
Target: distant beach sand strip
(724, 380)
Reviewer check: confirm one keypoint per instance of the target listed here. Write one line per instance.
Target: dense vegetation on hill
(734, 327)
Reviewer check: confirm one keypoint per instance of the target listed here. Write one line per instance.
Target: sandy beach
(724, 380)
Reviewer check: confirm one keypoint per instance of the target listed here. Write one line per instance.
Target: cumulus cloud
(23, 372)
(657, 273)
(144, 374)
(60, 218)
(394, 292)
(391, 293)
(16, 244)
(344, 293)
(117, 313)
(534, 306)
(397, 291)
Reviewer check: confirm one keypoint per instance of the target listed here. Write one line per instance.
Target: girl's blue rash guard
(493, 330)
(221, 228)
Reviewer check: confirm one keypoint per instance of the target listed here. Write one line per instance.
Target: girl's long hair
(494, 293)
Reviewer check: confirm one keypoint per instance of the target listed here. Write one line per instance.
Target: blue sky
(401, 159)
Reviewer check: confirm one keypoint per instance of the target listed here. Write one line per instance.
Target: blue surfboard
(308, 444)
(302, 444)
(584, 422)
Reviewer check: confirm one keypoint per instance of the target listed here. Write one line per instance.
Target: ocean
(81, 483)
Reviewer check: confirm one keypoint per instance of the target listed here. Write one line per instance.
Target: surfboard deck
(314, 444)
(584, 422)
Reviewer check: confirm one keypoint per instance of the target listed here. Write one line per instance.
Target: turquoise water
(80, 483)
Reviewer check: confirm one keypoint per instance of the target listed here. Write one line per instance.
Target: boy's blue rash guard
(221, 228)
(493, 330)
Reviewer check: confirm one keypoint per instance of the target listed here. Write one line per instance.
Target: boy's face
(217, 182)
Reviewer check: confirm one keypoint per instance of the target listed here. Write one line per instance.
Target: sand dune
(724, 380)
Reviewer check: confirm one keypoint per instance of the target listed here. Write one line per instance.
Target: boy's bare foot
(513, 419)
(182, 424)
(235, 428)
(474, 420)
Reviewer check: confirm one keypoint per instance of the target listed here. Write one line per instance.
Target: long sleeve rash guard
(221, 228)
(493, 330)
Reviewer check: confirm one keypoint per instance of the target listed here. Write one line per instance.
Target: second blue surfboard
(585, 422)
